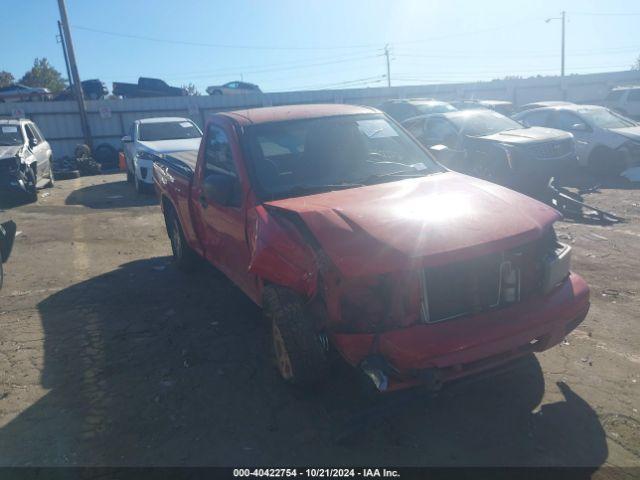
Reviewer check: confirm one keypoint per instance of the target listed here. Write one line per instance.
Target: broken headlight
(556, 263)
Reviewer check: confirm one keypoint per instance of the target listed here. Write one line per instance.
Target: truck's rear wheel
(183, 255)
(299, 350)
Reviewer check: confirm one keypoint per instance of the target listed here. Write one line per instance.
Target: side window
(30, 135)
(217, 153)
(634, 95)
(564, 120)
(438, 130)
(536, 119)
(36, 132)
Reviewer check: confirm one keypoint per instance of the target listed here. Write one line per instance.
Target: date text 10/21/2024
(316, 472)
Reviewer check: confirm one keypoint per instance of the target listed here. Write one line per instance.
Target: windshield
(306, 156)
(150, 132)
(603, 118)
(478, 123)
(10, 135)
(426, 108)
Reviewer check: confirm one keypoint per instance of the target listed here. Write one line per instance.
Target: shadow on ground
(147, 366)
(110, 195)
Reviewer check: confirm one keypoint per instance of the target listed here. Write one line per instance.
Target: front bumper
(13, 184)
(437, 353)
(144, 170)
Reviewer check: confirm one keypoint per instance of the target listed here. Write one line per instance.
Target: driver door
(223, 226)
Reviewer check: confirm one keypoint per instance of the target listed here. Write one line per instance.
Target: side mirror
(219, 188)
(33, 142)
(126, 139)
(579, 127)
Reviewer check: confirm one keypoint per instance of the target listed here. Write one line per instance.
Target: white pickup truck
(149, 137)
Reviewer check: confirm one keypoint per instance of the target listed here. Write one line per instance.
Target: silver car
(26, 159)
(23, 93)
(606, 142)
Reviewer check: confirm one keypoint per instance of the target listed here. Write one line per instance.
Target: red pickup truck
(351, 237)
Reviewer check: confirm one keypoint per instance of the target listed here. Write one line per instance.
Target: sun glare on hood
(435, 207)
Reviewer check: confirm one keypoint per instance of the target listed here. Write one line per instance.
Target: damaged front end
(429, 319)
(16, 176)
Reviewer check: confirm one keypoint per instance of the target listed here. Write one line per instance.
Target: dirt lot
(109, 356)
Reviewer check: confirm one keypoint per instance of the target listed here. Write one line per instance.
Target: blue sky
(290, 45)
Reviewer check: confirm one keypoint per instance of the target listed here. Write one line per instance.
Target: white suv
(625, 100)
(149, 137)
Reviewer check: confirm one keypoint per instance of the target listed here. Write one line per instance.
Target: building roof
(254, 116)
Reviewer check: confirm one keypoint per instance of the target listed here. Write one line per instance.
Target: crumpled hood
(527, 135)
(426, 221)
(632, 133)
(169, 146)
(9, 151)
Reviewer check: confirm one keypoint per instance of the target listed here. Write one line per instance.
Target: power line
(597, 14)
(217, 45)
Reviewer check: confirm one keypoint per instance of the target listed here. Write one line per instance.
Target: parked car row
(473, 137)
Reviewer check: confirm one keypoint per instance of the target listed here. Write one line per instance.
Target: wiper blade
(308, 189)
(399, 173)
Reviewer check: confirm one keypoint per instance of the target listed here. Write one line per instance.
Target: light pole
(562, 19)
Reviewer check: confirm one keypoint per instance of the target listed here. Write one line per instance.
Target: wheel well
(167, 205)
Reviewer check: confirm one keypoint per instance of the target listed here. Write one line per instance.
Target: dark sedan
(486, 144)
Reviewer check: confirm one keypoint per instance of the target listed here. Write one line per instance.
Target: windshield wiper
(399, 173)
(309, 189)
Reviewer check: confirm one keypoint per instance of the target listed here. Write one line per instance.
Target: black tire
(605, 162)
(300, 355)
(106, 155)
(183, 255)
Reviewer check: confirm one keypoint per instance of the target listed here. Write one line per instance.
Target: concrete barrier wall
(109, 120)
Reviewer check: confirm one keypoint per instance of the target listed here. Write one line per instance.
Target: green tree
(191, 89)
(42, 74)
(6, 79)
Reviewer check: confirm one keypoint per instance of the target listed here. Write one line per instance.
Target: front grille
(552, 149)
(476, 285)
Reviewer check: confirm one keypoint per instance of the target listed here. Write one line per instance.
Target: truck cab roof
(254, 116)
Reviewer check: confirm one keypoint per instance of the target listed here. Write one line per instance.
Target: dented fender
(279, 252)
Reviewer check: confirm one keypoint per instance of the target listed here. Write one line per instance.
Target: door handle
(203, 201)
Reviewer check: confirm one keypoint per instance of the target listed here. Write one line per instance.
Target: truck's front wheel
(299, 350)
(183, 255)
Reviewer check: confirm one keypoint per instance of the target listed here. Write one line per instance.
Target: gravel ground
(109, 356)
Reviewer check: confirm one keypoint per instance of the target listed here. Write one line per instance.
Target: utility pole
(64, 52)
(76, 86)
(562, 66)
(562, 18)
(386, 54)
